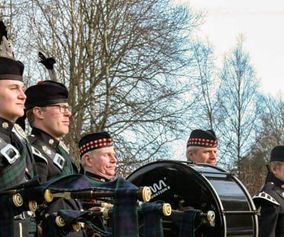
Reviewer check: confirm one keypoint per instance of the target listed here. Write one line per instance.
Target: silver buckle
(59, 161)
(10, 153)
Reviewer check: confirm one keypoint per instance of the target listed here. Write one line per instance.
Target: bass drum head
(183, 186)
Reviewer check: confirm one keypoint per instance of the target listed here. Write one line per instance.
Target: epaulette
(267, 197)
(19, 131)
(37, 153)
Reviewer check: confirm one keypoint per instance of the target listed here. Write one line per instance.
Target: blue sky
(261, 23)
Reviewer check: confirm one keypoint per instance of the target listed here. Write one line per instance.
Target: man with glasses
(49, 115)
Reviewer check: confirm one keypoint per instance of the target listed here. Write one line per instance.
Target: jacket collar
(45, 137)
(271, 178)
(97, 177)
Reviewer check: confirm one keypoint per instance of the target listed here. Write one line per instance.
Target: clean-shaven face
(206, 155)
(12, 99)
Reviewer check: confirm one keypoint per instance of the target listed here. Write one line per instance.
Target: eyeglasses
(62, 108)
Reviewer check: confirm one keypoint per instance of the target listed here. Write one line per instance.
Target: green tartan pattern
(152, 219)
(14, 174)
(125, 213)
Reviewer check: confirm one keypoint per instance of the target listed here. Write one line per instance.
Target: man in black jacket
(49, 114)
(270, 200)
(98, 160)
(16, 161)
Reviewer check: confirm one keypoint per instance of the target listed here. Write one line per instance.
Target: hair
(192, 149)
(82, 160)
(30, 116)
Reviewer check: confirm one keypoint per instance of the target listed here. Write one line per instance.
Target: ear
(38, 113)
(190, 152)
(87, 159)
(273, 168)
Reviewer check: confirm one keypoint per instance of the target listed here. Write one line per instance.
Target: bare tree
(272, 122)
(270, 134)
(123, 62)
(205, 87)
(253, 171)
(237, 113)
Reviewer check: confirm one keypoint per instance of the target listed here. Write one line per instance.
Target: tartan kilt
(13, 174)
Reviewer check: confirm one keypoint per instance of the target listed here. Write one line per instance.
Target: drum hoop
(219, 202)
(251, 203)
(199, 175)
(245, 191)
(175, 162)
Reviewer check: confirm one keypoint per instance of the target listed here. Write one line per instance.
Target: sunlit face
(278, 170)
(53, 119)
(206, 155)
(12, 99)
(101, 162)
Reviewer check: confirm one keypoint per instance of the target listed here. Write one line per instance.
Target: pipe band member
(202, 147)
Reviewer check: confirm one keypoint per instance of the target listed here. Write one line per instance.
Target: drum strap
(152, 226)
(186, 221)
(125, 213)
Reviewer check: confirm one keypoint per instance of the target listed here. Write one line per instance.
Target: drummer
(202, 147)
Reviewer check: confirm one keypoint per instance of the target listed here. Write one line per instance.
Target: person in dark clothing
(49, 114)
(16, 160)
(98, 160)
(270, 200)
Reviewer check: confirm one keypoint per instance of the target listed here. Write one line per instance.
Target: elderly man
(270, 200)
(98, 157)
(202, 147)
(98, 160)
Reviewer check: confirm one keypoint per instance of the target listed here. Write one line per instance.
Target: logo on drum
(159, 188)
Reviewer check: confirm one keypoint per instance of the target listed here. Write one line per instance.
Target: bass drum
(202, 187)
